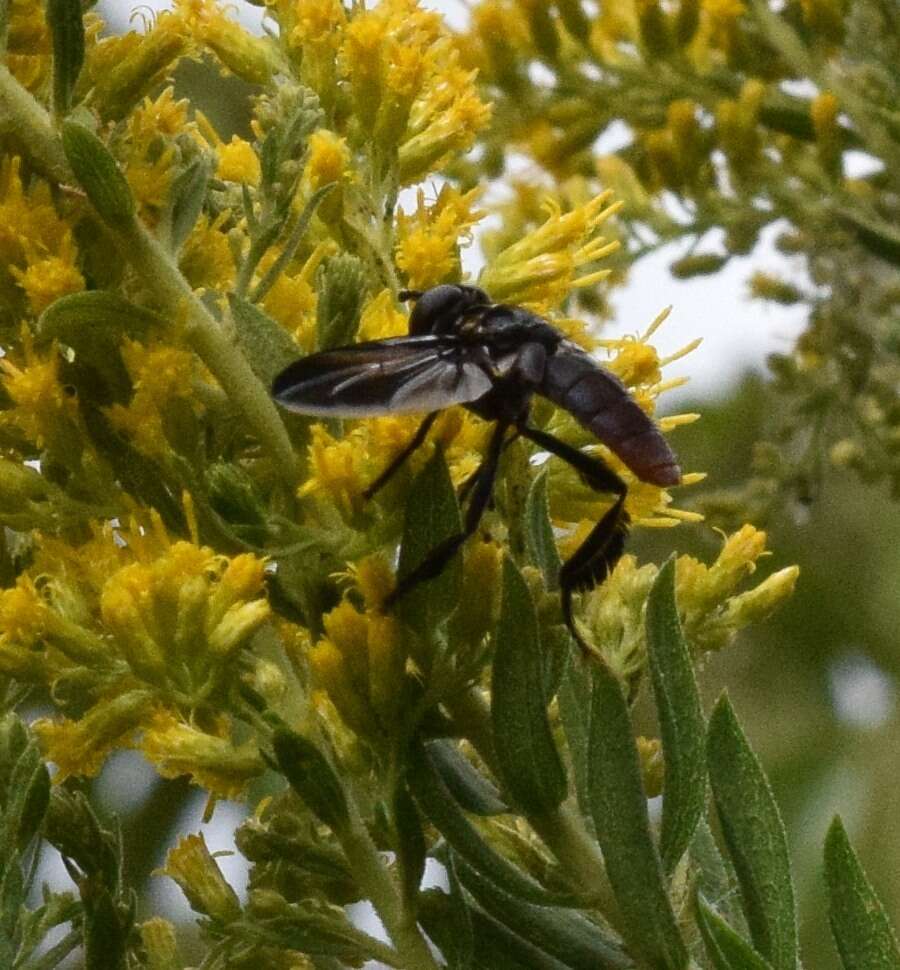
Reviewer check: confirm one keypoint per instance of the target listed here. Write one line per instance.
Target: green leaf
(680, 720)
(432, 515)
(754, 835)
(268, 347)
(862, 931)
(437, 803)
(467, 785)
(727, 949)
(497, 947)
(575, 714)
(311, 776)
(564, 934)
(462, 950)
(619, 808)
(93, 313)
(99, 175)
(527, 757)
(539, 539)
(66, 23)
(186, 198)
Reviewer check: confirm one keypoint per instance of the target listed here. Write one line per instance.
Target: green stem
(378, 886)
(208, 339)
(23, 116)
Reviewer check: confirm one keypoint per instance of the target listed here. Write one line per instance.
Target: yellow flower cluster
(144, 631)
(38, 254)
(712, 610)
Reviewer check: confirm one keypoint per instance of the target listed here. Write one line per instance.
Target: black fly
(491, 358)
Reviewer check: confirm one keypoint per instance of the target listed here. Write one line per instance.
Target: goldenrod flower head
(253, 59)
(192, 866)
(81, 747)
(36, 243)
(541, 268)
(122, 69)
(238, 162)
(361, 661)
(318, 22)
(160, 944)
(28, 43)
(443, 121)
(161, 375)
(428, 239)
(653, 766)
(337, 468)
(381, 319)
(207, 260)
(42, 408)
(214, 763)
(328, 159)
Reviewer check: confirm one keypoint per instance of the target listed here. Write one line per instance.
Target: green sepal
(66, 23)
(861, 928)
(527, 757)
(432, 515)
(619, 808)
(564, 934)
(468, 786)
(755, 838)
(682, 728)
(726, 948)
(312, 777)
(99, 175)
(24, 784)
(268, 347)
(186, 198)
(437, 803)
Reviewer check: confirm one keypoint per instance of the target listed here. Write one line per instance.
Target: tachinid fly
(491, 358)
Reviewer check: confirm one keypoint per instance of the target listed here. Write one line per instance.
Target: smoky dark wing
(601, 403)
(397, 376)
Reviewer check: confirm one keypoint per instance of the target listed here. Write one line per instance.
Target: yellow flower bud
(192, 866)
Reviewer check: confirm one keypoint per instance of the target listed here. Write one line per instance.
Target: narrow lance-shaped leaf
(680, 719)
(575, 714)
(754, 835)
(619, 807)
(529, 762)
(312, 777)
(437, 803)
(467, 785)
(539, 538)
(432, 515)
(562, 933)
(66, 23)
(727, 949)
(862, 931)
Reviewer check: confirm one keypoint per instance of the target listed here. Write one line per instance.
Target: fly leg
(597, 556)
(388, 473)
(433, 563)
(469, 483)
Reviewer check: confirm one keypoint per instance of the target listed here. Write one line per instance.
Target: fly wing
(601, 403)
(397, 376)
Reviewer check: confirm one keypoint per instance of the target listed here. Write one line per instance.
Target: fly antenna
(405, 295)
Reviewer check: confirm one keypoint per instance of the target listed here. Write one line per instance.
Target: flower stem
(208, 339)
(376, 883)
(23, 116)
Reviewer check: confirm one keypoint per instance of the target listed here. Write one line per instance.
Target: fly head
(439, 310)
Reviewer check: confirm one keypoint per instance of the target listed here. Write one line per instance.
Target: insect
(491, 358)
